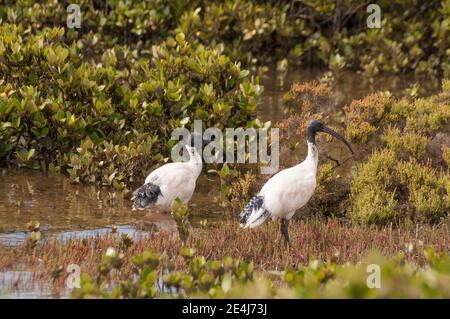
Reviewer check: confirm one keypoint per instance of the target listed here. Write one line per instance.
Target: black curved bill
(336, 135)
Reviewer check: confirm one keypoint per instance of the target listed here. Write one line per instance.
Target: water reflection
(17, 285)
(55, 202)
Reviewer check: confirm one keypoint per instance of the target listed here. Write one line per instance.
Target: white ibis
(170, 181)
(289, 189)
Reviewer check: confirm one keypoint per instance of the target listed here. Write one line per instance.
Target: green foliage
(242, 190)
(406, 144)
(99, 121)
(236, 186)
(426, 189)
(180, 214)
(211, 278)
(226, 175)
(413, 35)
(365, 115)
(446, 155)
(387, 188)
(230, 278)
(397, 280)
(398, 179)
(446, 85)
(110, 165)
(372, 201)
(424, 115)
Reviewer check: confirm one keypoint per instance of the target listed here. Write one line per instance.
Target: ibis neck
(195, 160)
(313, 155)
(311, 135)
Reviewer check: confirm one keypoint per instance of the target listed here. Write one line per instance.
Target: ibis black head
(315, 126)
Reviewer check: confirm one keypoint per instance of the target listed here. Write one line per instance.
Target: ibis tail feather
(146, 196)
(254, 213)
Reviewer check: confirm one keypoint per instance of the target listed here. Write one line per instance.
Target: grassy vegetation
(261, 248)
(402, 178)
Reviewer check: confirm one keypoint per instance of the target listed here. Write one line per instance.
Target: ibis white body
(284, 193)
(165, 184)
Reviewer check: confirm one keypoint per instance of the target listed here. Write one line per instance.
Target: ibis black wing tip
(255, 203)
(146, 196)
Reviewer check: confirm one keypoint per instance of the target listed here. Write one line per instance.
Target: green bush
(212, 278)
(413, 35)
(364, 116)
(426, 189)
(110, 119)
(402, 177)
(406, 144)
(373, 193)
(387, 188)
(230, 278)
(397, 279)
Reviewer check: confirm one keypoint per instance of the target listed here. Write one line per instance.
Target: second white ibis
(289, 189)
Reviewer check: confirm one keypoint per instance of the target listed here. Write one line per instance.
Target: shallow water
(66, 210)
(16, 279)
(26, 285)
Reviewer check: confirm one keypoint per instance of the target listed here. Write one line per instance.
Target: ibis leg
(284, 231)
